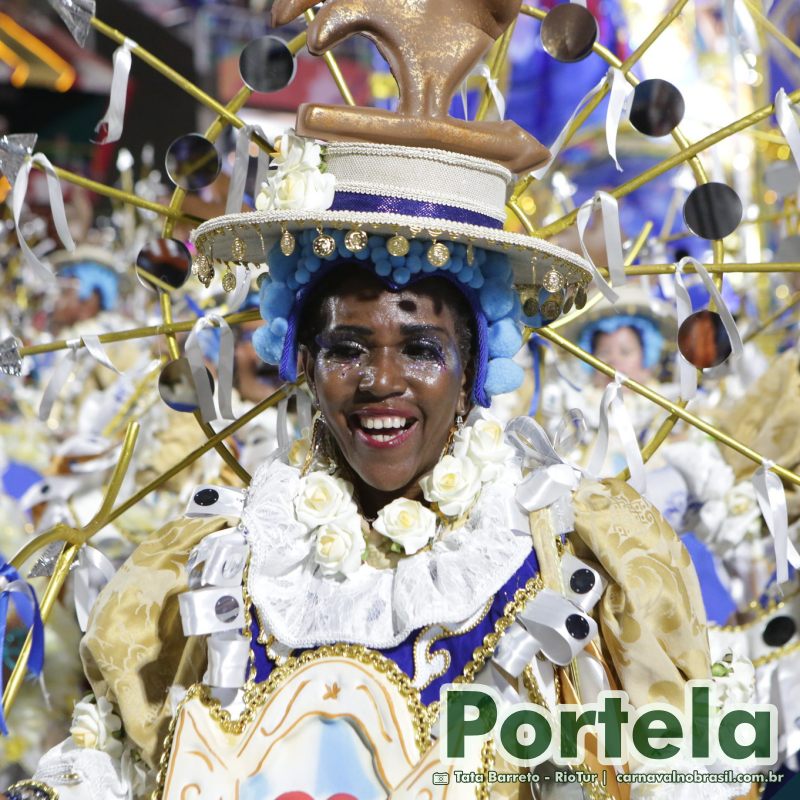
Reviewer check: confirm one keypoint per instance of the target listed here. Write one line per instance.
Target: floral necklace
(325, 504)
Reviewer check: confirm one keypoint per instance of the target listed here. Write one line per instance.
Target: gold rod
(767, 25)
(175, 77)
(140, 333)
(118, 194)
(514, 206)
(662, 401)
(334, 69)
(212, 133)
(793, 301)
(641, 241)
(500, 56)
(665, 22)
(298, 43)
(673, 161)
(188, 460)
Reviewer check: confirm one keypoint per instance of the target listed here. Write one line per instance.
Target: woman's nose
(383, 374)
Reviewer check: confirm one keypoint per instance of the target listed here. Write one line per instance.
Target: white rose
(94, 724)
(296, 152)
(322, 498)
(484, 443)
(302, 189)
(408, 523)
(340, 545)
(453, 485)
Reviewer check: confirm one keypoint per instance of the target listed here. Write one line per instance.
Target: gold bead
(553, 281)
(355, 241)
(288, 243)
(229, 281)
(470, 254)
(238, 249)
(199, 264)
(438, 255)
(324, 245)
(398, 245)
(569, 301)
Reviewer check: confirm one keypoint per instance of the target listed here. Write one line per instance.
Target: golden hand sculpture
(431, 47)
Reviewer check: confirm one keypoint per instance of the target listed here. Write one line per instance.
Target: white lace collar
(377, 608)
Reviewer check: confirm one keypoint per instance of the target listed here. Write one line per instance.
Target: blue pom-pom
(292, 283)
(383, 268)
(505, 339)
(375, 241)
(303, 276)
(413, 264)
(497, 267)
(415, 247)
(281, 266)
(502, 375)
(397, 261)
(361, 255)
(312, 263)
(459, 250)
(427, 266)
(497, 298)
(379, 254)
(269, 344)
(477, 280)
(276, 300)
(466, 274)
(480, 256)
(401, 276)
(456, 265)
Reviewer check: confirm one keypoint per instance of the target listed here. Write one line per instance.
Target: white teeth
(379, 423)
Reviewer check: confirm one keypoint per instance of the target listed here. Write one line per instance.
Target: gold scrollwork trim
(256, 696)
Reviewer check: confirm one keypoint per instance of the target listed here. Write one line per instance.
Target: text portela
(527, 734)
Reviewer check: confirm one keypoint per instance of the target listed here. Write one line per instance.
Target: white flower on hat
(301, 189)
(94, 725)
(296, 152)
(408, 523)
(322, 498)
(484, 443)
(339, 545)
(453, 485)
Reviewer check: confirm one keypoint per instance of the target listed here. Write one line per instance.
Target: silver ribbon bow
(194, 354)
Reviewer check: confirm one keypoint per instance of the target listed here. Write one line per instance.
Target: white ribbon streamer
(737, 348)
(609, 212)
(619, 110)
(194, 354)
(787, 122)
(687, 373)
(61, 373)
(614, 415)
(241, 164)
(228, 657)
(482, 71)
(109, 129)
(239, 294)
(92, 573)
(211, 610)
(283, 424)
(56, 208)
(772, 502)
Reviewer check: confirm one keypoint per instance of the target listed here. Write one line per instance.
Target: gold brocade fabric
(767, 418)
(134, 649)
(651, 618)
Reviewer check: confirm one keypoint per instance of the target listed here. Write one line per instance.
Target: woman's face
(388, 375)
(622, 349)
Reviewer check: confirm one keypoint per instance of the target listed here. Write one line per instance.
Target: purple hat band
(380, 204)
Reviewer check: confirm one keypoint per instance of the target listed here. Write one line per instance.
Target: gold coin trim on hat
(356, 240)
(324, 245)
(239, 249)
(228, 281)
(288, 242)
(438, 255)
(398, 245)
(553, 281)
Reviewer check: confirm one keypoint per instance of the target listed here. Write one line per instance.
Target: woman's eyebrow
(410, 330)
(350, 330)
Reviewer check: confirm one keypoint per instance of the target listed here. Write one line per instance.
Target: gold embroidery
(331, 692)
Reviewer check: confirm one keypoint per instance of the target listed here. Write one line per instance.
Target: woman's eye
(430, 351)
(344, 351)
